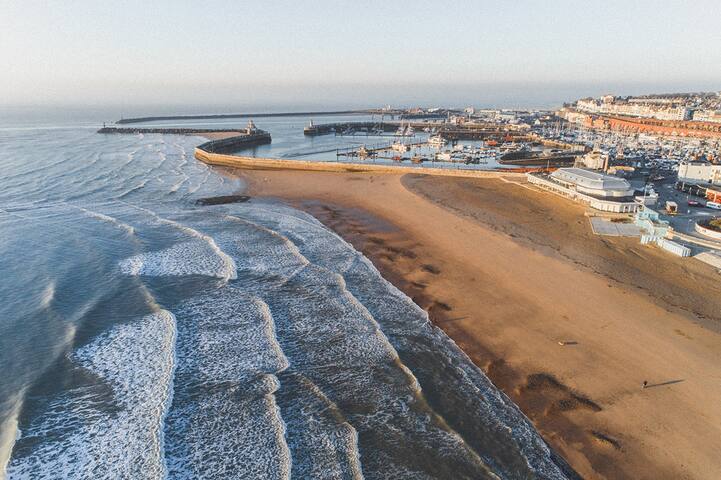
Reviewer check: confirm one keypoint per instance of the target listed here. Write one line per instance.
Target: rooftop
(591, 180)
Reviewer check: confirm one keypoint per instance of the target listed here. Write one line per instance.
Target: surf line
(230, 267)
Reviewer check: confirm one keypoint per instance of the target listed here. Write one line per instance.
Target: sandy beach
(510, 273)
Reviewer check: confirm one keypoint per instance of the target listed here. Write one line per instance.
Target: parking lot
(687, 216)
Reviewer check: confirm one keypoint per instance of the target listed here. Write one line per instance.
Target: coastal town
(360, 240)
(647, 167)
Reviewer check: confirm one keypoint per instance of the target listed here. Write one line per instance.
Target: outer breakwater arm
(240, 115)
(225, 145)
(171, 131)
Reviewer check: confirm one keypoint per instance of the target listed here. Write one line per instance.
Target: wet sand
(509, 273)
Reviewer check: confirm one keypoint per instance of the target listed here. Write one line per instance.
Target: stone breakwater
(171, 131)
(244, 115)
(235, 143)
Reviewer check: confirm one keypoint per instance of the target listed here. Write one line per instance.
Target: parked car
(694, 203)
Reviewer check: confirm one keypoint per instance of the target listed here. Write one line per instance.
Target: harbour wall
(256, 163)
(466, 131)
(234, 144)
(242, 140)
(171, 131)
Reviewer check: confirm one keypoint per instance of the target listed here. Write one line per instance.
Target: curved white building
(599, 191)
(593, 183)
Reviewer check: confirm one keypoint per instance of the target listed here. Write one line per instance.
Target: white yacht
(400, 147)
(436, 141)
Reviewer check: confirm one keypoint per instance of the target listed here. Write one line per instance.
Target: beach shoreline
(509, 299)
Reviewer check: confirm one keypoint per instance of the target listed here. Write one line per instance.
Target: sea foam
(80, 439)
(187, 258)
(225, 422)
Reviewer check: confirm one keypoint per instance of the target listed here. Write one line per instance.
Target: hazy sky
(233, 53)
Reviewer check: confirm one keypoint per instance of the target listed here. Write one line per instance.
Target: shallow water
(144, 336)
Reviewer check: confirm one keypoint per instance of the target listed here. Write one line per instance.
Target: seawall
(171, 131)
(255, 163)
(224, 145)
(234, 144)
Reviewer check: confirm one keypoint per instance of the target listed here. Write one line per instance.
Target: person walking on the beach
(645, 384)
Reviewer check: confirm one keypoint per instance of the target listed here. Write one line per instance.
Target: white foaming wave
(163, 157)
(325, 248)
(227, 434)
(225, 421)
(137, 362)
(392, 306)
(177, 185)
(229, 268)
(279, 430)
(270, 333)
(201, 183)
(228, 336)
(281, 257)
(307, 233)
(137, 187)
(107, 218)
(9, 431)
(322, 441)
(187, 258)
(344, 354)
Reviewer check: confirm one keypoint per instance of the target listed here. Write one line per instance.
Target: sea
(146, 336)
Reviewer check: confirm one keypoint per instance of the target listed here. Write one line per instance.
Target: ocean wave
(323, 443)
(9, 431)
(131, 190)
(228, 270)
(225, 421)
(471, 424)
(187, 258)
(177, 185)
(309, 364)
(107, 218)
(78, 438)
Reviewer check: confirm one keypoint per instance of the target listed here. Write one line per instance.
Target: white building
(707, 116)
(595, 160)
(599, 191)
(701, 172)
(639, 108)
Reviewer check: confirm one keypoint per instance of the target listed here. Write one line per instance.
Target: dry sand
(509, 273)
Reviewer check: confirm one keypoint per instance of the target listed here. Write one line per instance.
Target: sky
(223, 55)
